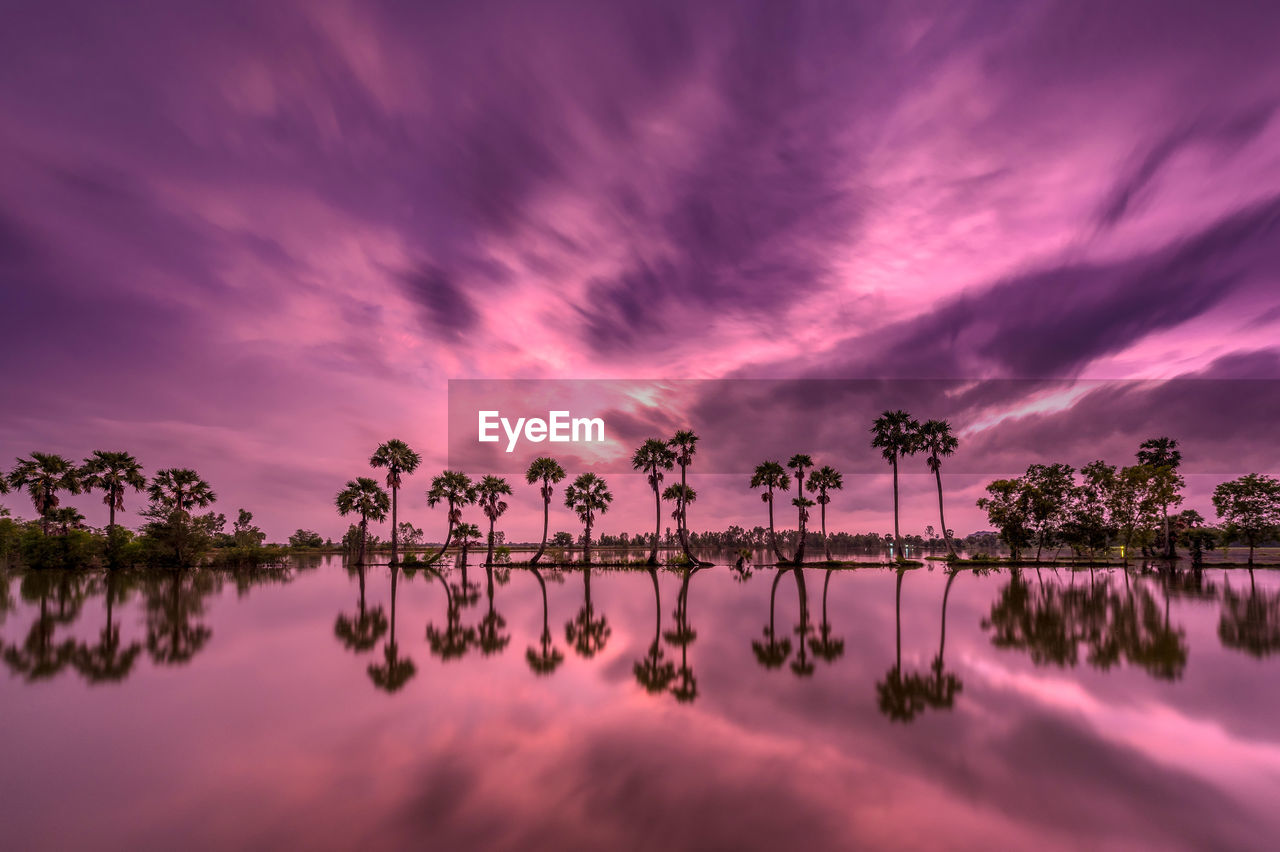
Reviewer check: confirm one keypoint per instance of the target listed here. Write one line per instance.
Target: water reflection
(1058, 679)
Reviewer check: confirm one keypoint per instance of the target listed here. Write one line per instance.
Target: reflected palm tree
(802, 666)
(653, 672)
(455, 639)
(545, 658)
(772, 651)
(40, 657)
(1250, 624)
(902, 696)
(586, 633)
(107, 661)
(824, 645)
(465, 593)
(360, 632)
(944, 685)
(685, 687)
(491, 639)
(174, 605)
(394, 671)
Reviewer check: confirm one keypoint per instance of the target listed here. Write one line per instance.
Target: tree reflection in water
(1112, 624)
(394, 671)
(360, 632)
(654, 672)
(545, 658)
(1250, 623)
(586, 633)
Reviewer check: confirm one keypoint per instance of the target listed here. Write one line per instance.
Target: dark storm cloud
(445, 307)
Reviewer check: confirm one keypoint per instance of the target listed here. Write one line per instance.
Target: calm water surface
(304, 708)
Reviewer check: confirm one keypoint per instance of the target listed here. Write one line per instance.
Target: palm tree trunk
(111, 513)
(488, 557)
(395, 528)
(773, 536)
(946, 593)
(447, 535)
(683, 523)
(1169, 549)
(546, 519)
(897, 618)
(942, 518)
(897, 536)
(657, 524)
(826, 544)
(586, 547)
(364, 535)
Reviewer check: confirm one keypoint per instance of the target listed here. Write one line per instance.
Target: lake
(314, 707)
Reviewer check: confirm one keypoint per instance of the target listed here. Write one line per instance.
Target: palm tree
(112, 472)
(42, 476)
(180, 490)
(364, 497)
(468, 535)
(546, 658)
(398, 459)
(455, 490)
(548, 471)
(798, 463)
(822, 481)
(944, 686)
(490, 493)
(453, 642)
(895, 436)
(653, 457)
(680, 495)
(937, 441)
(588, 495)
(653, 672)
(684, 443)
(1163, 456)
(770, 475)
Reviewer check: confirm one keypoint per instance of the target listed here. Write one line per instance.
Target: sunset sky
(258, 239)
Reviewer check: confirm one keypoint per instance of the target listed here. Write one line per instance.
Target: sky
(258, 239)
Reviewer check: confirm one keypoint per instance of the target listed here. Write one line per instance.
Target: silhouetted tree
(1250, 508)
(490, 492)
(652, 458)
(895, 434)
(937, 442)
(1164, 458)
(547, 471)
(822, 481)
(770, 475)
(364, 497)
(399, 460)
(112, 472)
(588, 496)
(43, 476)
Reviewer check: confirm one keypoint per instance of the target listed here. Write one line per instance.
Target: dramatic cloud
(258, 239)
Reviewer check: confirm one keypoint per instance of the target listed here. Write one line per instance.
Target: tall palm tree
(180, 489)
(770, 475)
(399, 460)
(1163, 456)
(685, 445)
(42, 476)
(546, 658)
(936, 441)
(799, 462)
(894, 434)
(680, 496)
(822, 481)
(112, 472)
(455, 490)
(490, 492)
(652, 458)
(364, 497)
(548, 471)
(589, 495)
